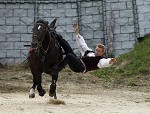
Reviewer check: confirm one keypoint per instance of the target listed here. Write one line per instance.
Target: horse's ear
(52, 25)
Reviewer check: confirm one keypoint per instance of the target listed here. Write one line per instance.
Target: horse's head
(40, 29)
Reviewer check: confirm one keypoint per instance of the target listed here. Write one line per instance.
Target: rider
(90, 60)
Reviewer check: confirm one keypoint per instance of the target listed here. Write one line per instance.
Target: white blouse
(83, 48)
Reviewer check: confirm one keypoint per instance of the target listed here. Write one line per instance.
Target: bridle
(40, 42)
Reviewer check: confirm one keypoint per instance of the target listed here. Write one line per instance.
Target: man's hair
(101, 46)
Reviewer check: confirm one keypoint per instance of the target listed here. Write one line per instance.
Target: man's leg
(74, 63)
(65, 45)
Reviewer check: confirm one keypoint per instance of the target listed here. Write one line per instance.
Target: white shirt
(83, 48)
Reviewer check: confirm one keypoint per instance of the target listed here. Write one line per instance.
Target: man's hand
(75, 26)
(113, 60)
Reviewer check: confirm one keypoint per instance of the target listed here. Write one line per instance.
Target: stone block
(92, 10)
(88, 34)
(126, 13)
(127, 29)
(13, 37)
(117, 45)
(20, 29)
(6, 13)
(26, 37)
(27, 20)
(98, 34)
(13, 53)
(6, 45)
(97, 3)
(86, 19)
(141, 17)
(2, 53)
(118, 52)
(27, 6)
(20, 12)
(2, 6)
(144, 9)
(71, 13)
(144, 24)
(130, 5)
(121, 21)
(121, 37)
(128, 44)
(58, 13)
(12, 21)
(24, 53)
(3, 37)
(86, 4)
(69, 28)
(31, 13)
(12, 6)
(65, 21)
(44, 13)
(2, 21)
(6, 29)
(118, 6)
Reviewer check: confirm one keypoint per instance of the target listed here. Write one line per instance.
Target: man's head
(99, 50)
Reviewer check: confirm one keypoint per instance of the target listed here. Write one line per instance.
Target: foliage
(130, 66)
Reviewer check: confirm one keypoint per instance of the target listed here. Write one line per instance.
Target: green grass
(131, 66)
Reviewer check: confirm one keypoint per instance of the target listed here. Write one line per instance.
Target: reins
(40, 43)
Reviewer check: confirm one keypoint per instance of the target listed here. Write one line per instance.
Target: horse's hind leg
(52, 91)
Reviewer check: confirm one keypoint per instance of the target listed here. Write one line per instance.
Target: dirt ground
(81, 93)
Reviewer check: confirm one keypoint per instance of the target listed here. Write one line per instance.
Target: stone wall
(115, 23)
(17, 18)
(143, 10)
(123, 27)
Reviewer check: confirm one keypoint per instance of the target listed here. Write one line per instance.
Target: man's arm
(80, 40)
(106, 62)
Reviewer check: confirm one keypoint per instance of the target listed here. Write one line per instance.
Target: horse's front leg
(52, 91)
(39, 86)
(32, 90)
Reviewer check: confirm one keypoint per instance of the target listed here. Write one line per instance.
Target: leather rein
(40, 43)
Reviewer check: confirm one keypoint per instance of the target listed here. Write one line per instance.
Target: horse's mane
(42, 21)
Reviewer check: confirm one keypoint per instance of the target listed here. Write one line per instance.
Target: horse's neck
(48, 41)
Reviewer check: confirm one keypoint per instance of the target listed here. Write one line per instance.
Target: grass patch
(130, 66)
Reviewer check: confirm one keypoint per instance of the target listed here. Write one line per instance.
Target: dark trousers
(74, 63)
(71, 59)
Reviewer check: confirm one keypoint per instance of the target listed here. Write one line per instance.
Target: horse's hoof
(42, 93)
(31, 95)
(53, 95)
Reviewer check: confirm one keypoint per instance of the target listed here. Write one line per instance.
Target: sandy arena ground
(82, 94)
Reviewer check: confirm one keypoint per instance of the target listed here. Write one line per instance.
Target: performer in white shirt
(90, 60)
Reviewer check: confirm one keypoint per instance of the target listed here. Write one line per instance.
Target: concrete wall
(130, 20)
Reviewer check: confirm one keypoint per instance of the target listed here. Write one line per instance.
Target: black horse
(44, 56)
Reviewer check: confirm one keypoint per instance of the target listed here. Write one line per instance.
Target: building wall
(119, 32)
